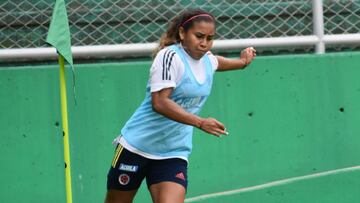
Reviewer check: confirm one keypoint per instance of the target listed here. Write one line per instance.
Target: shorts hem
(173, 181)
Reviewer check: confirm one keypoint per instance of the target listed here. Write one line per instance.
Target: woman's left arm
(246, 57)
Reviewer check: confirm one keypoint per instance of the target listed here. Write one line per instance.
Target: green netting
(93, 22)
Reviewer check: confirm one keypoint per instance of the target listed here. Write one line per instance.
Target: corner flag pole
(59, 37)
(65, 129)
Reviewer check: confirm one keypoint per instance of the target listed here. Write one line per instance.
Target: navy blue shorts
(128, 170)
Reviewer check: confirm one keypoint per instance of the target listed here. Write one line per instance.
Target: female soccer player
(156, 141)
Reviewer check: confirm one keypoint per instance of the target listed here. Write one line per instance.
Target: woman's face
(198, 39)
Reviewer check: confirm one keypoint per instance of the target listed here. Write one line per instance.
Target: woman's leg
(167, 180)
(125, 176)
(116, 196)
(167, 192)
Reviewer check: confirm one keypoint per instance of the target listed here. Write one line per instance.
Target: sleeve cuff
(159, 86)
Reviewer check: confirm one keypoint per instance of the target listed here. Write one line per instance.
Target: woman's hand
(212, 126)
(247, 55)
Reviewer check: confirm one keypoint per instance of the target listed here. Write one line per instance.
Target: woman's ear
(181, 33)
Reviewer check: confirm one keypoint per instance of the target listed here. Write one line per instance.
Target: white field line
(271, 184)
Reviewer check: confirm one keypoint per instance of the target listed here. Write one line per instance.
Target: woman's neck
(188, 53)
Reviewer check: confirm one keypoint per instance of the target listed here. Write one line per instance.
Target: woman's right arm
(162, 104)
(246, 57)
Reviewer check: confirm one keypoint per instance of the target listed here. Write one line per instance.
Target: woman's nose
(203, 43)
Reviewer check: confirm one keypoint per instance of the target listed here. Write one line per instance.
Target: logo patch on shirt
(130, 168)
(191, 102)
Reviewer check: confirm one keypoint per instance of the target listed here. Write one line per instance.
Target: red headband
(195, 16)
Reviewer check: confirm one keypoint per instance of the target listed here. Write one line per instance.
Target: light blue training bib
(158, 135)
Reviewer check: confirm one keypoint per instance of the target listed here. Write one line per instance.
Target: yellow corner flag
(59, 37)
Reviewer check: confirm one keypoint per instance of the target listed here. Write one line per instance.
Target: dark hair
(171, 36)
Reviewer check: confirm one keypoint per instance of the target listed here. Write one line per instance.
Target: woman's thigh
(167, 192)
(167, 180)
(125, 176)
(116, 196)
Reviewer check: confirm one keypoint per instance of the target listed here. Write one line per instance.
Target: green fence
(24, 23)
(288, 116)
